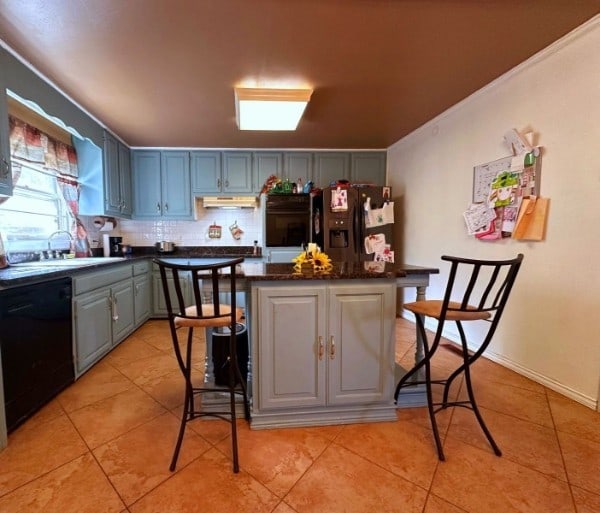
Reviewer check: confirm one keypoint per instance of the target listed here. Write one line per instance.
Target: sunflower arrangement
(316, 261)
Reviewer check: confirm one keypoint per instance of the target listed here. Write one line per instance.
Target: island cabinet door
(291, 347)
(360, 349)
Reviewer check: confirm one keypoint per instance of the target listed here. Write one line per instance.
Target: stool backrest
(174, 276)
(479, 285)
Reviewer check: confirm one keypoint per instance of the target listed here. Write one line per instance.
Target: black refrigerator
(355, 224)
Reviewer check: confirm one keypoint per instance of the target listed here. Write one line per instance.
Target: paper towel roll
(108, 226)
(106, 244)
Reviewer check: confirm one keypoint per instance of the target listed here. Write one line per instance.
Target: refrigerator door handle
(356, 229)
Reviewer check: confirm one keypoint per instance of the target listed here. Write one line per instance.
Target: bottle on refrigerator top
(299, 186)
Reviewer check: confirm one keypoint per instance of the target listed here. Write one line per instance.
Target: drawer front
(93, 280)
(141, 267)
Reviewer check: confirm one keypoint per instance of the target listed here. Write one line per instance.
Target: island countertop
(250, 269)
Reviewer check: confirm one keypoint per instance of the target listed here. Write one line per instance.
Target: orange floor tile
(105, 443)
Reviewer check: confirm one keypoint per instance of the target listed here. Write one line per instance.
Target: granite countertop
(340, 271)
(21, 274)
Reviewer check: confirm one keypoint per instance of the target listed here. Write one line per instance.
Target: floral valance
(29, 143)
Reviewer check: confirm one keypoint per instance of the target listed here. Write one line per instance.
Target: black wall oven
(287, 220)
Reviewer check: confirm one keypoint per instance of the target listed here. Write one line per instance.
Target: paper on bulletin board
(483, 176)
(529, 175)
(478, 216)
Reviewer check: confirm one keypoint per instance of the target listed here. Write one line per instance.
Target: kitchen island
(323, 344)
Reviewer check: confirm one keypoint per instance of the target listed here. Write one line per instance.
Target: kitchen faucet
(56, 252)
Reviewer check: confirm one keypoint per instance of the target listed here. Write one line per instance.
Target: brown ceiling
(161, 73)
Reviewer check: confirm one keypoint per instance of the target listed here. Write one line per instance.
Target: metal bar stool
(479, 294)
(185, 315)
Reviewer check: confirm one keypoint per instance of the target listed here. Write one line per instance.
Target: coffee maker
(114, 244)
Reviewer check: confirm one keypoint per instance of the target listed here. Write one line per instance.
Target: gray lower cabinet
(103, 313)
(92, 328)
(159, 307)
(335, 365)
(142, 292)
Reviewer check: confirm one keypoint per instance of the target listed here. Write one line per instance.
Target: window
(45, 192)
(36, 209)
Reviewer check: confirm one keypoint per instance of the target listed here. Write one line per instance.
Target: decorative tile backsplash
(187, 233)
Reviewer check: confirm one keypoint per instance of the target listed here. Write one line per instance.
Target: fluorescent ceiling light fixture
(270, 109)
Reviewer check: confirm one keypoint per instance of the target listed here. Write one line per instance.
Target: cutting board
(531, 222)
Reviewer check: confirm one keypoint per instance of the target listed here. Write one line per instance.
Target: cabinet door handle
(321, 347)
(331, 347)
(158, 207)
(227, 184)
(115, 310)
(218, 183)
(166, 207)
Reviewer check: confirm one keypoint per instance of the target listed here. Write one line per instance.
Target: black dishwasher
(36, 345)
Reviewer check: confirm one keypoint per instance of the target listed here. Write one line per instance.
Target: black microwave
(287, 220)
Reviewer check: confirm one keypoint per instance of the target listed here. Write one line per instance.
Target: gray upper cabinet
(331, 166)
(266, 163)
(237, 172)
(117, 177)
(286, 165)
(125, 180)
(298, 165)
(215, 172)
(206, 171)
(5, 169)
(368, 167)
(161, 185)
(176, 186)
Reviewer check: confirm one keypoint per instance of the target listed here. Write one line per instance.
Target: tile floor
(104, 445)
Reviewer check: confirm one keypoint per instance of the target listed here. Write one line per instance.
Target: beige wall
(550, 331)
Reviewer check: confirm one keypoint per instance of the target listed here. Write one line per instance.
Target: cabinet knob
(166, 207)
(218, 183)
(158, 207)
(321, 347)
(331, 347)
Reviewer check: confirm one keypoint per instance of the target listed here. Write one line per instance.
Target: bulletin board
(484, 174)
(499, 189)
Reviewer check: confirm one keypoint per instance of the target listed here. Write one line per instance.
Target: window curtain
(29, 143)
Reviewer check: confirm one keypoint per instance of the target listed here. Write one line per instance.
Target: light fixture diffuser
(270, 109)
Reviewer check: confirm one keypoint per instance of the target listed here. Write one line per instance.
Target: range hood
(229, 202)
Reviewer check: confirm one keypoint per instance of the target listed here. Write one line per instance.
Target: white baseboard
(557, 387)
